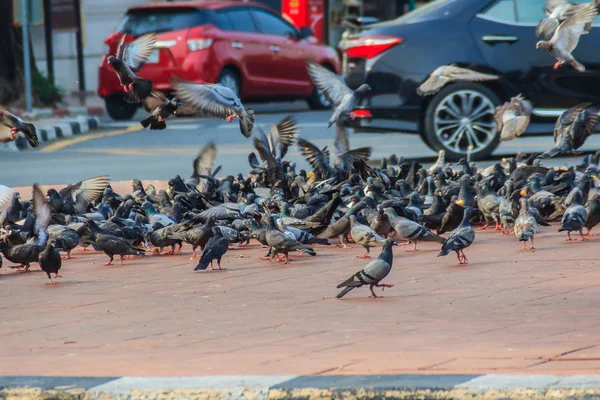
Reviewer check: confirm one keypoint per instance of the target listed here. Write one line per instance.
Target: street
(124, 152)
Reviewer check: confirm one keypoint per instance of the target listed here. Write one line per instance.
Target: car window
(221, 21)
(503, 10)
(272, 25)
(530, 11)
(241, 21)
(146, 20)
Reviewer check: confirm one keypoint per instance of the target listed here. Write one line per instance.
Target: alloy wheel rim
(464, 121)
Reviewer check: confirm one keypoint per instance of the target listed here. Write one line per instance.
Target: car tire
(231, 79)
(459, 116)
(318, 101)
(118, 109)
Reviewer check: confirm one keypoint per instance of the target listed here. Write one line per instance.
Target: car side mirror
(305, 32)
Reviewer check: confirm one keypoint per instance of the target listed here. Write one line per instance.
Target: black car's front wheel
(460, 119)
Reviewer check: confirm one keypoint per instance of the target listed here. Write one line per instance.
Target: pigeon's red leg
(557, 65)
(484, 227)
(458, 257)
(51, 283)
(525, 245)
(352, 115)
(242, 244)
(498, 227)
(581, 234)
(122, 258)
(108, 263)
(84, 249)
(57, 275)
(14, 133)
(532, 245)
(414, 247)
(366, 255)
(265, 258)
(465, 260)
(287, 259)
(230, 118)
(589, 233)
(131, 86)
(161, 119)
(569, 236)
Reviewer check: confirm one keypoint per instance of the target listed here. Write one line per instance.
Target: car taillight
(369, 47)
(199, 44)
(362, 113)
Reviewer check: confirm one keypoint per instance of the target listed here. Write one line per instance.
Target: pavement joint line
(80, 139)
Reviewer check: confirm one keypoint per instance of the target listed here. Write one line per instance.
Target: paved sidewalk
(508, 311)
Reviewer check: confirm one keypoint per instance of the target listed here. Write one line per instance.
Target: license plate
(153, 59)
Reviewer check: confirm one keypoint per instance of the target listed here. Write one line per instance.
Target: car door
(288, 53)
(251, 52)
(505, 34)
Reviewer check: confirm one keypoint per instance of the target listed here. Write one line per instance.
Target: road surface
(124, 152)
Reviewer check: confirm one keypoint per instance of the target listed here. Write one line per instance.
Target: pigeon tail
(316, 240)
(202, 265)
(146, 122)
(247, 122)
(158, 125)
(344, 292)
(552, 153)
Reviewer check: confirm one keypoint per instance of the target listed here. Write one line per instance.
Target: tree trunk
(12, 78)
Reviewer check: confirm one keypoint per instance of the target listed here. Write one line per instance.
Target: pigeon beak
(460, 203)
(523, 192)
(47, 197)
(170, 191)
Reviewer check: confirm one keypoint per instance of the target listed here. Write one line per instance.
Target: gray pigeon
(336, 91)
(216, 101)
(525, 225)
(574, 217)
(130, 59)
(165, 109)
(460, 238)
(512, 118)
(372, 273)
(365, 236)
(558, 11)
(281, 243)
(17, 125)
(449, 73)
(572, 129)
(411, 230)
(566, 37)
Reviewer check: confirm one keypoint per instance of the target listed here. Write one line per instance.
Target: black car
(490, 36)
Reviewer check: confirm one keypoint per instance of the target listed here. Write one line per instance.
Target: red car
(244, 46)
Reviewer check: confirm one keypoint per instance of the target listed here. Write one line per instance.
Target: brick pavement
(508, 311)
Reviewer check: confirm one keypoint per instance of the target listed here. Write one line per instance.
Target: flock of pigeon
(294, 211)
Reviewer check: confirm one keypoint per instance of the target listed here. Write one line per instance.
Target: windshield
(139, 22)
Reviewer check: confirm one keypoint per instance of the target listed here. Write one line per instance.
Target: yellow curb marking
(80, 139)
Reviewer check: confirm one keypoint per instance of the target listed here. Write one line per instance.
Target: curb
(40, 113)
(406, 386)
(55, 130)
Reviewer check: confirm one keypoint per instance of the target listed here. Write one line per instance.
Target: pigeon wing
(136, 53)
(568, 33)
(6, 195)
(584, 125)
(284, 133)
(332, 85)
(204, 162)
(9, 119)
(464, 74)
(214, 100)
(84, 192)
(41, 209)
(317, 158)
(342, 144)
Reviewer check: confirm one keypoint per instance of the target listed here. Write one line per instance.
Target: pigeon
(281, 243)
(50, 261)
(373, 273)
(6, 196)
(336, 91)
(593, 213)
(557, 11)
(460, 238)
(572, 129)
(453, 216)
(130, 59)
(566, 37)
(165, 109)
(111, 244)
(17, 125)
(488, 203)
(512, 118)
(574, 217)
(75, 199)
(217, 101)
(525, 225)
(365, 236)
(66, 239)
(215, 248)
(450, 73)
(439, 163)
(411, 230)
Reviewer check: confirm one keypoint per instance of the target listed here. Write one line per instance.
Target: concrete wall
(101, 17)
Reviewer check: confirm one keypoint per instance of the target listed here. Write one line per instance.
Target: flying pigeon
(449, 73)
(17, 125)
(512, 118)
(130, 59)
(373, 273)
(217, 101)
(572, 129)
(336, 91)
(558, 11)
(165, 109)
(566, 38)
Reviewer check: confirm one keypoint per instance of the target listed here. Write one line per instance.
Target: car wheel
(460, 118)
(118, 109)
(317, 100)
(230, 79)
